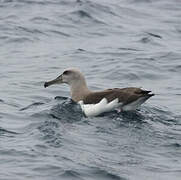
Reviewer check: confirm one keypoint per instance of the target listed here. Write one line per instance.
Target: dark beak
(58, 80)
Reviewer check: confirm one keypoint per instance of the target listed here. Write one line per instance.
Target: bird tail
(147, 93)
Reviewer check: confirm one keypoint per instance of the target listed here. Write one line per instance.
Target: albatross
(94, 103)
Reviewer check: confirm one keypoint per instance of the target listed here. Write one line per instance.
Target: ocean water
(118, 43)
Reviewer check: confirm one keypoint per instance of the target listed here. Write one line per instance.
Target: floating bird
(95, 103)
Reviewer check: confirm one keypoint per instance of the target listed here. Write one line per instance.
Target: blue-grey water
(117, 43)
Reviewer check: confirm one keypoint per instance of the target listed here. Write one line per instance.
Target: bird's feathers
(124, 95)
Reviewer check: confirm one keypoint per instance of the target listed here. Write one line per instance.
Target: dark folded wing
(124, 95)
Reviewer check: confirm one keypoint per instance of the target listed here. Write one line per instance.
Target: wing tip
(147, 93)
(151, 94)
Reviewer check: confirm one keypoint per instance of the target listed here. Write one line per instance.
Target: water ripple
(44, 135)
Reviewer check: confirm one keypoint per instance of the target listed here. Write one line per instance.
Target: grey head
(75, 79)
(69, 76)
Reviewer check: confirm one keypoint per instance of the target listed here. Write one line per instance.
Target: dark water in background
(115, 43)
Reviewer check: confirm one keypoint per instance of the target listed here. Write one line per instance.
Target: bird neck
(79, 90)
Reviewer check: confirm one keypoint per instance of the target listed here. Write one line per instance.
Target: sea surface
(115, 43)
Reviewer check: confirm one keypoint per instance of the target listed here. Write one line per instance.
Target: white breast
(101, 107)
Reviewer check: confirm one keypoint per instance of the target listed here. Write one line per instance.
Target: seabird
(95, 103)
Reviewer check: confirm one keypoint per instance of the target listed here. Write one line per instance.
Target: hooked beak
(58, 80)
